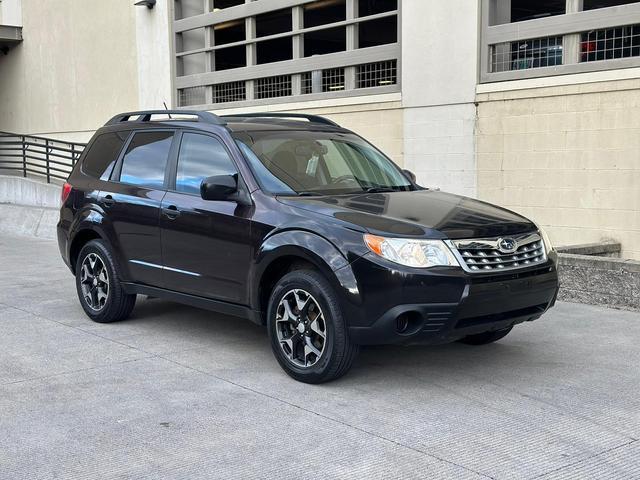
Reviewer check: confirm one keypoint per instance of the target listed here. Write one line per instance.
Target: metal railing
(39, 156)
(577, 41)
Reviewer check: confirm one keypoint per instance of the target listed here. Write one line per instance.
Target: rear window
(146, 159)
(103, 154)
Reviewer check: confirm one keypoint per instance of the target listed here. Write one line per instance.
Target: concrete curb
(29, 221)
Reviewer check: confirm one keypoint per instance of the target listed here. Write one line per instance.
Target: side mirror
(219, 187)
(410, 175)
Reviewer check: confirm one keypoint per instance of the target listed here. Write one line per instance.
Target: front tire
(306, 328)
(486, 337)
(100, 290)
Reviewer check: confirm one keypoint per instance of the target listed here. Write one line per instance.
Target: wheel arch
(80, 239)
(292, 250)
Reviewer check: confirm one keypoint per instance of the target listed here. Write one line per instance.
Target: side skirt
(217, 306)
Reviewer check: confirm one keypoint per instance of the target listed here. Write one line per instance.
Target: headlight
(412, 253)
(545, 239)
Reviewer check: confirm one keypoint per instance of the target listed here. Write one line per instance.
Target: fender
(314, 249)
(92, 217)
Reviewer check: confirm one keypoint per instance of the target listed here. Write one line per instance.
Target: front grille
(500, 254)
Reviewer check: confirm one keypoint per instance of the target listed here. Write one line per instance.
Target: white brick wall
(439, 146)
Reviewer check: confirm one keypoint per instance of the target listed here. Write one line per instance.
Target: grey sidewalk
(181, 393)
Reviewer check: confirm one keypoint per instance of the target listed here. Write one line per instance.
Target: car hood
(423, 213)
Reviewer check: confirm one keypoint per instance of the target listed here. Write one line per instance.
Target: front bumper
(443, 305)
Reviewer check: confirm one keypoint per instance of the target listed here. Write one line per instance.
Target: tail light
(66, 191)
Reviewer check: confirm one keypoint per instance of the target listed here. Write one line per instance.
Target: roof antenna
(165, 107)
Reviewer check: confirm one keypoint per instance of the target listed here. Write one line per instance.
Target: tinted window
(103, 154)
(146, 159)
(200, 157)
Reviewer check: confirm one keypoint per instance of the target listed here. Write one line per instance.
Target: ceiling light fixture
(146, 3)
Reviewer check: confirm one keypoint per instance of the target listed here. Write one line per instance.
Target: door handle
(108, 201)
(171, 212)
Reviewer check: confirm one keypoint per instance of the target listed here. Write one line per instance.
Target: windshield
(319, 163)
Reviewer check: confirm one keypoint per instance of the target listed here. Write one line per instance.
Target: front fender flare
(313, 248)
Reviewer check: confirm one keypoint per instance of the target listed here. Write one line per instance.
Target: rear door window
(103, 154)
(201, 156)
(145, 161)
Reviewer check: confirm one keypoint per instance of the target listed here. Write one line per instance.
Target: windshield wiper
(380, 190)
(309, 194)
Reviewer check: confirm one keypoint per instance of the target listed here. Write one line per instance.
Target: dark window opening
(146, 159)
(378, 32)
(594, 4)
(232, 57)
(99, 161)
(200, 157)
(273, 23)
(325, 41)
(276, 50)
(324, 12)
(229, 32)
(222, 4)
(527, 10)
(610, 43)
(373, 7)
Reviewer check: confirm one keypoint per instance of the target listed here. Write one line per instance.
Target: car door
(205, 244)
(132, 201)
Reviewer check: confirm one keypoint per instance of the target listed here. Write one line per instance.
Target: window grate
(328, 80)
(272, 87)
(610, 43)
(526, 54)
(191, 96)
(307, 83)
(229, 92)
(333, 79)
(378, 74)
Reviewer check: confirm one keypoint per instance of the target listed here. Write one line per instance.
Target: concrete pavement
(180, 393)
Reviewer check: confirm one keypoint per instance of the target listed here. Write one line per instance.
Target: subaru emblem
(507, 245)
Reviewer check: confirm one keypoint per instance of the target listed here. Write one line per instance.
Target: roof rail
(310, 118)
(145, 116)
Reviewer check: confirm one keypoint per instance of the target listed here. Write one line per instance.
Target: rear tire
(486, 337)
(306, 328)
(99, 287)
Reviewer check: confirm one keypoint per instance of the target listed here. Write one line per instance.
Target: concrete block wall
(566, 156)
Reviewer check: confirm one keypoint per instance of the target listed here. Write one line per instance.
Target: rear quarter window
(145, 162)
(103, 154)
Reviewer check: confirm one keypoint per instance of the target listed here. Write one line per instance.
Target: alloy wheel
(301, 328)
(94, 281)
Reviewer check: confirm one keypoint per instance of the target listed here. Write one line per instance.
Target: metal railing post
(24, 157)
(46, 156)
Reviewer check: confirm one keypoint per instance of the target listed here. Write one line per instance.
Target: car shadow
(177, 322)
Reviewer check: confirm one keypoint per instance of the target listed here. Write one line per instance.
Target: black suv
(295, 223)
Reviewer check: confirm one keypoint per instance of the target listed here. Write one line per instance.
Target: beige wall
(568, 157)
(75, 68)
